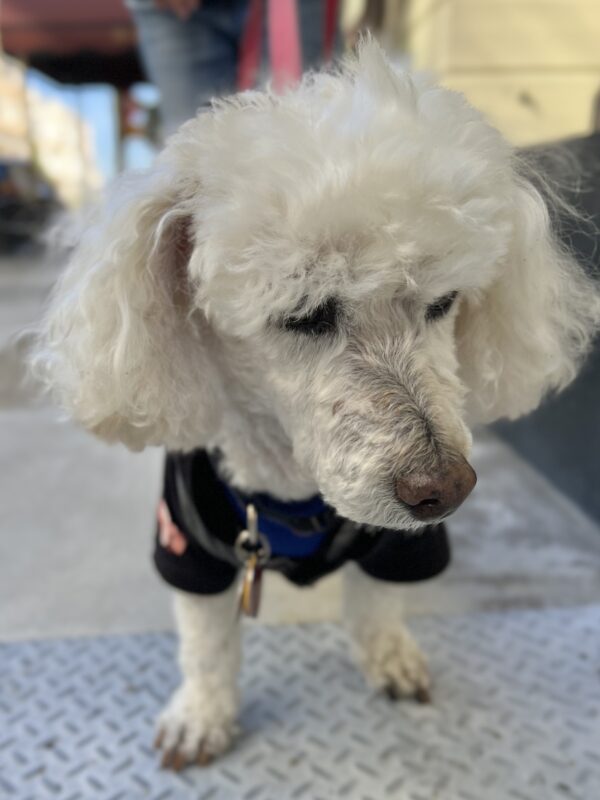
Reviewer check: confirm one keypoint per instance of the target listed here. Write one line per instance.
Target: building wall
(33, 127)
(13, 126)
(533, 66)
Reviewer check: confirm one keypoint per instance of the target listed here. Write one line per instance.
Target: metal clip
(253, 551)
(250, 542)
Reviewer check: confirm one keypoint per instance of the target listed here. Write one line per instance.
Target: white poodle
(325, 288)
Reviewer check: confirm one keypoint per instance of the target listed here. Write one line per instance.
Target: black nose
(436, 494)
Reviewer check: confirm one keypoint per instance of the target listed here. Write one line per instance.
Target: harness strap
(217, 535)
(283, 534)
(301, 518)
(196, 528)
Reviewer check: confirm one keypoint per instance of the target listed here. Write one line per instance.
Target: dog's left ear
(124, 346)
(529, 332)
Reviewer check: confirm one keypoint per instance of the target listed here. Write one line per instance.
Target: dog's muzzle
(435, 495)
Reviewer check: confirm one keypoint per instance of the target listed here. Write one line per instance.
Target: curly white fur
(390, 658)
(366, 185)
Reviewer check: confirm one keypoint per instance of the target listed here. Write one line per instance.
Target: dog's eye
(440, 307)
(321, 321)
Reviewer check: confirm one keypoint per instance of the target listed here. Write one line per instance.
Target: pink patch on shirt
(169, 535)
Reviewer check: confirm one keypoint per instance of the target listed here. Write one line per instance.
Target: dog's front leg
(387, 652)
(199, 722)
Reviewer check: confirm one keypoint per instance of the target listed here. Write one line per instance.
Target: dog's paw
(394, 663)
(193, 729)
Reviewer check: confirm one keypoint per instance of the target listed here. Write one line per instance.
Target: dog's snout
(435, 495)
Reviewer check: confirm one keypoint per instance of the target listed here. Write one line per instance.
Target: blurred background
(77, 108)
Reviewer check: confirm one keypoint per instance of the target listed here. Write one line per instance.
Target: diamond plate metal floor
(516, 716)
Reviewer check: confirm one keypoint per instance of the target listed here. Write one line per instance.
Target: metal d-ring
(251, 542)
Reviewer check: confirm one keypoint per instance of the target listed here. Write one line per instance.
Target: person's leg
(311, 17)
(190, 61)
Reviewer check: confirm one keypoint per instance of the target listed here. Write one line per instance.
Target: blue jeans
(195, 60)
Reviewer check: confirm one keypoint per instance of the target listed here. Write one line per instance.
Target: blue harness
(294, 529)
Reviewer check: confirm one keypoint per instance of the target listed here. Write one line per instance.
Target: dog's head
(339, 279)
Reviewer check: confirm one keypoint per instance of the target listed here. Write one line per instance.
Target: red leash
(285, 50)
(331, 18)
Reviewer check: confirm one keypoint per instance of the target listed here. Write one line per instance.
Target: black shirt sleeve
(405, 556)
(195, 570)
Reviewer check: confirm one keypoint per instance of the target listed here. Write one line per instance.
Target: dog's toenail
(423, 695)
(204, 758)
(179, 761)
(392, 692)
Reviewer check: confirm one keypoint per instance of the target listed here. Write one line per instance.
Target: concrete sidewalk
(76, 520)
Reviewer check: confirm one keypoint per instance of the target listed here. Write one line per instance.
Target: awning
(72, 41)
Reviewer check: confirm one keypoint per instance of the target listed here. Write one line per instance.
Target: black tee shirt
(308, 540)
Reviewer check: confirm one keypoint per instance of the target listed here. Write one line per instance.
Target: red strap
(251, 47)
(331, 17)
(284, 42)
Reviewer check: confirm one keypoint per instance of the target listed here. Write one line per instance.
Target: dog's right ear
(122, 345)
(529, 333)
